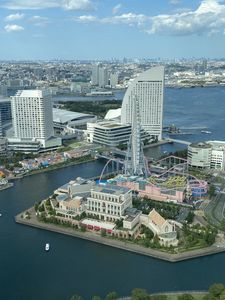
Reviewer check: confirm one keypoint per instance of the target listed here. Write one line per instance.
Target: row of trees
(167, 210)
(215, 292)
(99, 108)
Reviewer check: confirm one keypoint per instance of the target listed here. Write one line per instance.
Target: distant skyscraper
(32, 115)
(149, 89)
(5, 115)
(103, 77)
(113, 79)
(99, 75)
(95, 74)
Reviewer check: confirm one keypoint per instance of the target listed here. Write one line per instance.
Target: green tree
(212, 190)
(222, 296)
(185, 297)
(140, 294)
(112, 296)
(76, 297)
(96, 298)
(103, 232)
(83, 228)
(216, 289)
(159, 297)
(190, 217)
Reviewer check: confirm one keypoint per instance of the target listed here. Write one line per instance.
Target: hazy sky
(102, 29)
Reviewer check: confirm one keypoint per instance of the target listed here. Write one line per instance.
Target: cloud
(86, 19)
(14, 17)
(77, 5)
(129, 19)
(175, 2)
(116, 8)
(13, 28)
(39, 21)
(208, 18)
(43, 4)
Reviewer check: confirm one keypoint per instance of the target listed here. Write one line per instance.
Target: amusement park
(167, 179)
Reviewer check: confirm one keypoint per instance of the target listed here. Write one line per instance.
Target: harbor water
(74, 266)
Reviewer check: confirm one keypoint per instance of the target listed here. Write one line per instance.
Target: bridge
(179, 141)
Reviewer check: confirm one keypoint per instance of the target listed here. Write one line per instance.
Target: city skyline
(96, 29)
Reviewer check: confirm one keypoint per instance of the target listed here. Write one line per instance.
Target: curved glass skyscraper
(148, 87)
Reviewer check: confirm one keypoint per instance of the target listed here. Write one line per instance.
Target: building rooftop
(110, 189)
(156, 218)
(31, 93)
(110, 124)
(63, 116)
(201, 145)
(113, 114)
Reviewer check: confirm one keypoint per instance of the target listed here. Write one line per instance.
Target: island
(110, 215)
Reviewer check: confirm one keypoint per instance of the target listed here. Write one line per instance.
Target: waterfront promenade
(128, 246)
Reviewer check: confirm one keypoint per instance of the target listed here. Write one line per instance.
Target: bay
(75, 266)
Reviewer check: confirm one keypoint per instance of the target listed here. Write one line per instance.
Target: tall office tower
(135, 162)
(149, 89)
(32, 115)
(5, 115)
(103, 77)
(113, 79)
(95, 74)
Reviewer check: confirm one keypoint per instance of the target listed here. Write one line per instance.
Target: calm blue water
(193, 110)
(81, 267)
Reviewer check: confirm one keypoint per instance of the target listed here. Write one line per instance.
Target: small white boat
(47, 246)
(0, 215)
(205, 131)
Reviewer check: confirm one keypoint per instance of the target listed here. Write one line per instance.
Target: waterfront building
(3, 146)
(109, 202)
(218, 155)
(108, 133)
(164, 229)
(64, 118)
(148, 87)
(33, 119)
(205, 155)
(75, 206)
(199, 155)
(5, 115)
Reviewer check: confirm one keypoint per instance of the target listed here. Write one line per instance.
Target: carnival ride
(170, 174)
(176, 176)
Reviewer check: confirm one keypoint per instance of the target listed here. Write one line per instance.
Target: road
(215, 209)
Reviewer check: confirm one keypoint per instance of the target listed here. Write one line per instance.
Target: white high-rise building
(103, 77)
(113, 79)
(95, 74)
(32, 116)
(148, 87)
